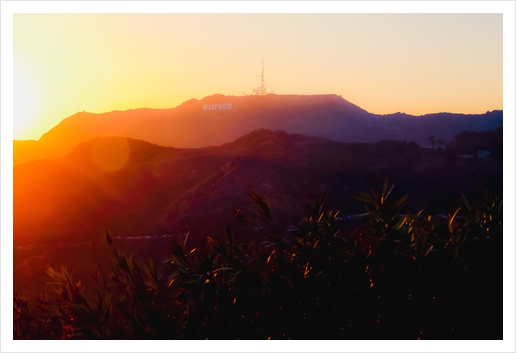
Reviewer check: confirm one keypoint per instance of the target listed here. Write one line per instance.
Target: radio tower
(261, 90)
(262, 86)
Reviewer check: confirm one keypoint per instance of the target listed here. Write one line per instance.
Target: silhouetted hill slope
(469, 142)
(64, 206)
(163, 190)
(219, 119)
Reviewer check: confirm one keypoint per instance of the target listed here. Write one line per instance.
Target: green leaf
(400, 201)
(230, 237)
(400, 223)
(450, 223)
(364, 198)
(385, 186)
(224, 269)
(184, 241)
(389, 192)
(465, 201)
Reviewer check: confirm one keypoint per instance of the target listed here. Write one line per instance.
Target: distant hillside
(220, 119)
(162, 190)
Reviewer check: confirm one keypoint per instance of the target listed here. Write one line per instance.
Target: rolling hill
(163, 190)
(146, 194)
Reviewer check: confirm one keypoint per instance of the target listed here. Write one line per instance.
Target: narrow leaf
(400, 201)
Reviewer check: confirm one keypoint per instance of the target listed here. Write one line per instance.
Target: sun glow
(27, 98)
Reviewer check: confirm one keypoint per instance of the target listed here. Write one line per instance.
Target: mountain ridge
(218, 119)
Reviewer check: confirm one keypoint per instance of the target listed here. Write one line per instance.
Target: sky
(384, 63)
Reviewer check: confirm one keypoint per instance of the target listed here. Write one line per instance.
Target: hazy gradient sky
(384, 63)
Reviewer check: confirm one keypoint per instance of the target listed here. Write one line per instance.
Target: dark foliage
(390, 276)
(469, 142)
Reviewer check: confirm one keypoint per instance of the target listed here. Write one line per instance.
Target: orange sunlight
(110, 154)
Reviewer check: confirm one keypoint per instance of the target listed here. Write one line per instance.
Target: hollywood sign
(226, 106)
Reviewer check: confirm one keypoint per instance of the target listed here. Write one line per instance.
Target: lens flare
(110, 154)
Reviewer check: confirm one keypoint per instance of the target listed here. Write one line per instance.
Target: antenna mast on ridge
(261, 90)
(262, 86)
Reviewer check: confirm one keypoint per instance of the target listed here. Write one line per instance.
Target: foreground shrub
(390, 276)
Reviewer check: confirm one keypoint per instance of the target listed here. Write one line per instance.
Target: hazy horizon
(58, 121)
(384, 63)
